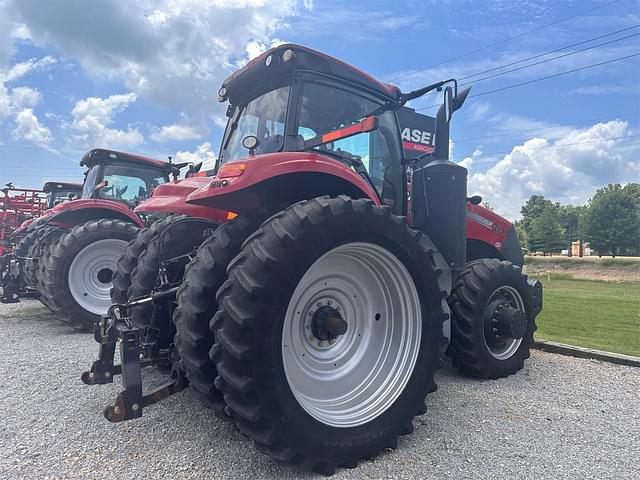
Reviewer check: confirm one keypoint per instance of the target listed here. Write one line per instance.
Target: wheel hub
(509, 321)
(505, 322)
(351, 334)
(90, 272)
(327, 324)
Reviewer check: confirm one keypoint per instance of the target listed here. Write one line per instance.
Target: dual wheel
(317, 331)
(325, 330)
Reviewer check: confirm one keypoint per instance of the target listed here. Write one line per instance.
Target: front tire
(305, 387)
(478, 346)
(77, 272)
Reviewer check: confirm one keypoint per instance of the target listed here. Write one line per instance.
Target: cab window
(323, 108)
(130, 184)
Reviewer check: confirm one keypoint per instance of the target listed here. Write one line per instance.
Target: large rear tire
(480, 345)
(23, 249)
(197, 305)
(40, 250)
(77, 271)
(121, 280)
(328, 332)
(176, 236)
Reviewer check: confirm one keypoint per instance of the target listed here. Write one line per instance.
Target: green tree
(541, 223)
(545, 232)
(569, 217)
(535, 206)
(612, 220)
(521, 232)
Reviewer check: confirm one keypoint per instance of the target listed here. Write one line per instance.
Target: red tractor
(60, 192)
(70, 253)
(315, 319)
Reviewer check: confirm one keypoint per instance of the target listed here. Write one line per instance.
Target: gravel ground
(559, 418)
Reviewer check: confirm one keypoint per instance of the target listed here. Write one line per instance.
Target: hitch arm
(117, 328)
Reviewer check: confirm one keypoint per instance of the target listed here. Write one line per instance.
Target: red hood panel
(220, 191)
(171, 198)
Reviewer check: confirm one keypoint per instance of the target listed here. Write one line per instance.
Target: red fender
(170, 198)
(247, 190)
(79, 211)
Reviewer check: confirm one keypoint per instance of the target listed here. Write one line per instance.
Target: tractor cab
(123, 177)
(306, 101)
(59, 192)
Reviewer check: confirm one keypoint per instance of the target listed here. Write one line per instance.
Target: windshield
(125, 183)
(54, 198)
(263, 117)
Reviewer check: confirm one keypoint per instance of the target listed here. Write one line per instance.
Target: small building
(575, 249)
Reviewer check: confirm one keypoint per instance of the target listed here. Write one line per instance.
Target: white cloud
(28, 127)
(173, 52)
(92, 117)
(22, 97)
(203, 153)
(595, 156)
(21, 69)
(604, 90)
(13, 100)
(178, 132)
(467, 162)
(18, 102)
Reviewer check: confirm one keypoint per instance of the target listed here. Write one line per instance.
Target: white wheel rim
(90, 274)
(510, 346)
(356, 377)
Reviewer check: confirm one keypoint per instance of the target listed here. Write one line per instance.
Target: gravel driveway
(559, 418)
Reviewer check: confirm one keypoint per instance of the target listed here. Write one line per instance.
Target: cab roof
(102, 155)
(260, 69)
(58, 186)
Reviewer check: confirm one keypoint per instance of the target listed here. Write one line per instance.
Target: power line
(489, 92)
(520, 35)
(548, 60)
(548, 52)
(551, 127)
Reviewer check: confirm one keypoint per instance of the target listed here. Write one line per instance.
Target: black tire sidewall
(505, 275)
(275, 391)
(66, 249)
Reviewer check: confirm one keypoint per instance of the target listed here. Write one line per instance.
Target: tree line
(610, 222)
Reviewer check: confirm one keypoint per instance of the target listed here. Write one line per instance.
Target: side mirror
(474, 200)
(448, 104)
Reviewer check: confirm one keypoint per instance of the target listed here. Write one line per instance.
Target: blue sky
(142, 77)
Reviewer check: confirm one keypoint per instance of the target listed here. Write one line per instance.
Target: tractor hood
(170, 198)
(240, 186)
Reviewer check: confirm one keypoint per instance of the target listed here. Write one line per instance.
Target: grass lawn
(589, 313)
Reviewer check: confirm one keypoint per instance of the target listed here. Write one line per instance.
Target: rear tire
(121, 280)
(175, 236)
(472, 349)
(283, 392)
(197, 304)
(23, 249)
(77, 271)
(40, 250)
